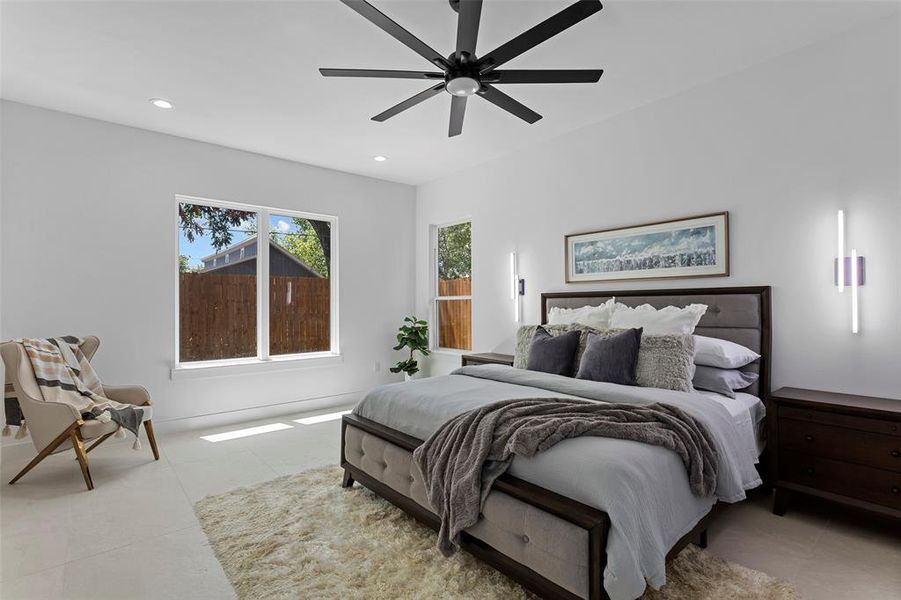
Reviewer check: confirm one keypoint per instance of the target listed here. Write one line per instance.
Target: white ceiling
(244, 74)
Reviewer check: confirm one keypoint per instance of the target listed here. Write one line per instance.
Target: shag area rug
(303, 536)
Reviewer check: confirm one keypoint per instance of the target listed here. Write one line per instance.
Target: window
(257, 303)
(453, 286)
(299, 284)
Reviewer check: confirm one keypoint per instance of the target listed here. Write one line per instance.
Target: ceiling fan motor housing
(462, 78)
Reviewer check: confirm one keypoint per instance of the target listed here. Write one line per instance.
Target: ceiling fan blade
(458, 109)
(406, 38)
(544, 76)
(542, 32)
(386, 73)
(470, 11)
(409, 102)
(499, 98)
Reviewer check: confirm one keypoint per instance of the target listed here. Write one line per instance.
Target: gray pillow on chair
(611, 358)
(553, 354)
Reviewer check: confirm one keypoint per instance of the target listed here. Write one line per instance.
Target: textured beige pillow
(666, 362)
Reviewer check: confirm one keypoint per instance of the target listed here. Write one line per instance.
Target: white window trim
(433, 317)
(263, 361)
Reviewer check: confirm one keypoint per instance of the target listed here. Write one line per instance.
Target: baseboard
(340, 401)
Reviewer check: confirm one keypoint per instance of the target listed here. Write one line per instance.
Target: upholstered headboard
(737, 314)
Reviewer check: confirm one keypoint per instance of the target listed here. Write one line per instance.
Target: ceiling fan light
(161, 103)
(463, 86)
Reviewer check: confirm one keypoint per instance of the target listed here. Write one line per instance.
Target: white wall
(781, 146)
(88, 238)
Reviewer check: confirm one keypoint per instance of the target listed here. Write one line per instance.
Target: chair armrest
(42, 408)
(127, 394)
(46, 420)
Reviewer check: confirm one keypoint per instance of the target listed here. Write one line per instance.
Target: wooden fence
(217, 315)
(455, 316)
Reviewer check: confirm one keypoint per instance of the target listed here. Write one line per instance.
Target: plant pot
(417, 375)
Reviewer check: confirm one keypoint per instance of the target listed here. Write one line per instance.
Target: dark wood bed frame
(594, 521)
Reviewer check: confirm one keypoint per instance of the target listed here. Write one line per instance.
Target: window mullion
(263, 285)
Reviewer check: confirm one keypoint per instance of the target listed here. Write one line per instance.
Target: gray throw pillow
(722, 381)
(553, 354)
(524, 341)
(611, 358)
(666, 362)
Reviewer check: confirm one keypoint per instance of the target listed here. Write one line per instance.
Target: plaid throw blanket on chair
(64, 375)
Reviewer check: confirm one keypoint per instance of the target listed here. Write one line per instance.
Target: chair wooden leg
(78, 444)
(148, 427)
(98, 442)
(46, 451)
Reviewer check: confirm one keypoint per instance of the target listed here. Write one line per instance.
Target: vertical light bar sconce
(840, 262)
(855, 284)
(517, 287)
(850, 272)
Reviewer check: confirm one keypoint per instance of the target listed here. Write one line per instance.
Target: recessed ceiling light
(161, 103)
(380, 158)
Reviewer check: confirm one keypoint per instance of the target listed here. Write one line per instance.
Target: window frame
(434, 334)
(263, 356)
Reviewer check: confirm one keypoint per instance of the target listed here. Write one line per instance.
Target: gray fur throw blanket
(461, 460)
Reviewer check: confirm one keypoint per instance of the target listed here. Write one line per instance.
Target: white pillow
(666, 321)
(592, 316)
(714, 352)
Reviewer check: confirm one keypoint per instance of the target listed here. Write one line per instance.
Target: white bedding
(749, 414)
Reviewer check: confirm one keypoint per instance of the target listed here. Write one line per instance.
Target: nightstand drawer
(869, 449)
(850, 421)
(846, 479)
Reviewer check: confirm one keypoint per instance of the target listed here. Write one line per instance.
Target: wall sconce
(850, 271)
(517, 287)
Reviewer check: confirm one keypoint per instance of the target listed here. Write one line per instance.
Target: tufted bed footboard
(548, 543)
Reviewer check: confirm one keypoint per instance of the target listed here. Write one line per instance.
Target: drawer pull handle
(895, 453)
(896, 490)
(808, 438)
(810, 470)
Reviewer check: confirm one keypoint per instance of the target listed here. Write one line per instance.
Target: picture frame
(679, 248)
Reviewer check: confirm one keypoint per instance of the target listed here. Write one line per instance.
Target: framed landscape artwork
(691, 247)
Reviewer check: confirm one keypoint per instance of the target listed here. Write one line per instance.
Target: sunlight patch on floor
(322, 418)
(240, 433)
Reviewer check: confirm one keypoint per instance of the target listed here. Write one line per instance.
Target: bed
(591, 518)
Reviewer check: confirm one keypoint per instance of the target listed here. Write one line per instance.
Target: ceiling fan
(463, 74)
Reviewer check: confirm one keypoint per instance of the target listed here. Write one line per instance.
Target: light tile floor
(135, 536)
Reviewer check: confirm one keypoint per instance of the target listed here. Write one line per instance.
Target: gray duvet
(643, 488)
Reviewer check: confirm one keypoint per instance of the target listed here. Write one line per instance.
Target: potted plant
(413, 334)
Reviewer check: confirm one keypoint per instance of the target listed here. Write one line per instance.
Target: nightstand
(488, 358)
(840, 447)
